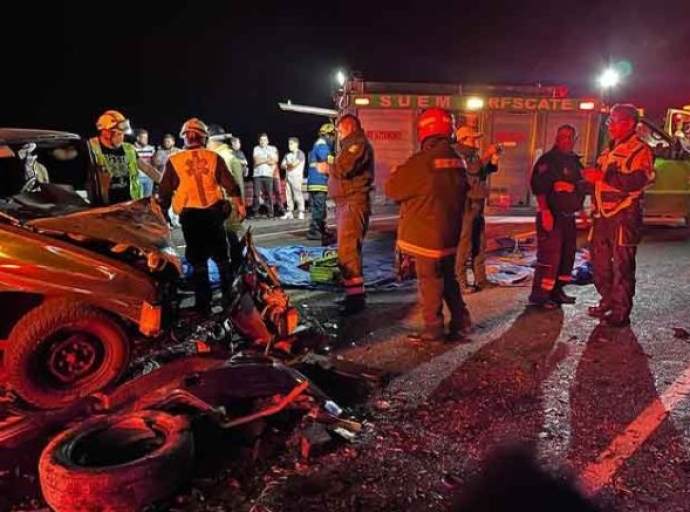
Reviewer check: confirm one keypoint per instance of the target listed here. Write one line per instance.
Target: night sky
(160, 63)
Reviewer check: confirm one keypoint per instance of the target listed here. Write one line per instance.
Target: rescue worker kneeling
(431, 187)
(194, 180)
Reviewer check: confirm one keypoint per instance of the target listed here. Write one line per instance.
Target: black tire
(120, 462)
(62, 351)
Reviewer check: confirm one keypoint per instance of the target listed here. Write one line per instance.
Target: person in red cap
(624, 169)
(431, 188)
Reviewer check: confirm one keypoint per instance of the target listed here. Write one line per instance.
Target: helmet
(327, 129)
(434, 122)
(113, 120)
(216, 132)
(194, 125)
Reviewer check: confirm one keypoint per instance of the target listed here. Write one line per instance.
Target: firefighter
(622, 172)
(117, 173)
(217, 142)
(560, 191)
(317, 181)
(431, 187)
(473, 238)
(349, 185)
(194, 180)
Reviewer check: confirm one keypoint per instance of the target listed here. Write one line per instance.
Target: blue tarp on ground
(507, 268)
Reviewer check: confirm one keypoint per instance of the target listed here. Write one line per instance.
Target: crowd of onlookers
(273, 186)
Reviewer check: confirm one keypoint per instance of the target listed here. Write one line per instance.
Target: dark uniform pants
(555, 255)
(613, 247)
(205, 236)
(352, 221)
(318, 212)
(264, 184)
(472, 243)
(437, 283)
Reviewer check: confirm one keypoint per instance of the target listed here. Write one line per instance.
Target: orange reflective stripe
(423, 251)
(548, 284)
(447, 163)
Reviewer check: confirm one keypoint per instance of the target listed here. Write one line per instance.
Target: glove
(546, 220)
(592, 175)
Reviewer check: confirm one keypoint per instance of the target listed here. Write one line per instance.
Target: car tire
(121, 462)
(62, 351)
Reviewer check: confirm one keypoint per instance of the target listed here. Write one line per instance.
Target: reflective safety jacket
(321, 152)
(195, 177)
(131, 156)
(627, 168)
(352, 174)
(431, 188)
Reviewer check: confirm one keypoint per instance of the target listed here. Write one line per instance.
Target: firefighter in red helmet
(431, 188)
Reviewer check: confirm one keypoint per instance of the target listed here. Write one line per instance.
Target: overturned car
(81, 286)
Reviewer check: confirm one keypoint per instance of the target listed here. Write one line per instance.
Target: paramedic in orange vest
(193, 181)
(622, 172)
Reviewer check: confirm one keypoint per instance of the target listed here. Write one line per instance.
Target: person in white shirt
(293, 165)
(265, 161)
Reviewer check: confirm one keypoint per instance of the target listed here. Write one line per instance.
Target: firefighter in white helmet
(194, 180)
(116, 176)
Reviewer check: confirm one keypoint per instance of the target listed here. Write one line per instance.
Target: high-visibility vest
(196, 171)
(630, 155)
(131, 156)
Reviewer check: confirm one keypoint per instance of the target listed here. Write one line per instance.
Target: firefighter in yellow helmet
(116, 175)
(194, 181)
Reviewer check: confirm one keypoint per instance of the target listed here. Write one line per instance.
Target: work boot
(457, 337)
(613, 319)
(560, 297)
(543, 303)
(428, 335)
(599, 310)
(328, 238)
(353, 304)
(461, 328)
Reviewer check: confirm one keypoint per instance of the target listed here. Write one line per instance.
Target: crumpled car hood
(138, 224)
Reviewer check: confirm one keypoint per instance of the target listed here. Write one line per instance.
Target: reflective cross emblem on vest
(197, 167)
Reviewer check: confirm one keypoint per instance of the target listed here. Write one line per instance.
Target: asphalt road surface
(607, 407)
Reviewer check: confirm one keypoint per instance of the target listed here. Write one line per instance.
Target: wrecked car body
(80, 286)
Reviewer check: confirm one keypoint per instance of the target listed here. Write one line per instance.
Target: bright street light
(609, 78)
(340, 78)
